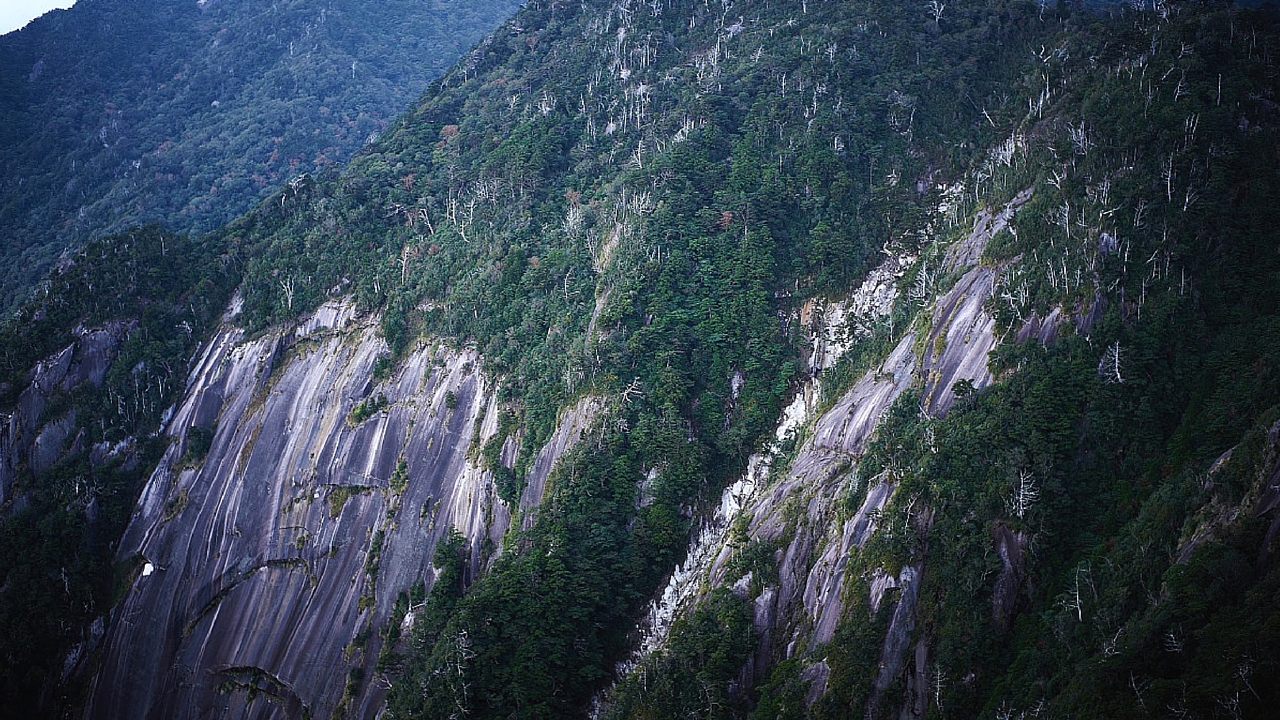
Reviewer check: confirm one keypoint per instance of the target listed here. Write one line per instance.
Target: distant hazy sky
(16, 13)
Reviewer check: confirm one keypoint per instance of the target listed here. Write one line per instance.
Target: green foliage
(366, 409)
(695, 674)
(176, 504)
(1120, 616)
(853, 656)
(504, 478)
(157, 294)
(340, 494)
(399, 477)
(119, 113)
(646, 237)
(430, 618)
(783, 696)
(583, 251)
(198, 442)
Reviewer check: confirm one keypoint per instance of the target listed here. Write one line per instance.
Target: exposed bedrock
(812, 565)
(30, 439)
(818, 546)
(1011, 547)
(264, 562)
(570, 426)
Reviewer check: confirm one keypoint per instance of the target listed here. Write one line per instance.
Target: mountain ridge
(204, 110)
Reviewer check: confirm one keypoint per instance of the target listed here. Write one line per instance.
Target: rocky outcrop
(795, 506)
(898, 636)
(962, 332)
(570, 426)
(834, 326)
(962, 336)
(815, 479)
(31, 439)
(821, 468)
(277, 557)
(822, 591)
(1269, 491)
(1011, 547)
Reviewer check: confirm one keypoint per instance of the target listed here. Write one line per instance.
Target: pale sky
(16, 13)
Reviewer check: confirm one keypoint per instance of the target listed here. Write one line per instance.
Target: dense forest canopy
(117, 113)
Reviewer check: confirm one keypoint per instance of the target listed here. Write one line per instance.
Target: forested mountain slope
(116, 113)
(748, 359)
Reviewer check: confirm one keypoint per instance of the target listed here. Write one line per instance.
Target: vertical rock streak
(266, 567)
(800, 613)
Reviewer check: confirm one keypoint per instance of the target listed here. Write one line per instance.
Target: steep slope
(288, 552)
(270, 565)
(832, 359)
(1044, 519)
(118, 113)
(89, 369)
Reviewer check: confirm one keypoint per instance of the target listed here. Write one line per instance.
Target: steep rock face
(573, 422)
(794, 506)
(821, 593)
(835, 326)
(262, 563)
(30, 439)
(960, 336)
(963, 332)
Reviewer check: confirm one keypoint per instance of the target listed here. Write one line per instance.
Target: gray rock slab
(264, 574)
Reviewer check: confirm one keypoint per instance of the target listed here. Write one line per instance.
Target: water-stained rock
(962, 337)
(796, 615)
(822, 591)
(277, 554)
(1011, 547)
(897, 637)
(569, 428)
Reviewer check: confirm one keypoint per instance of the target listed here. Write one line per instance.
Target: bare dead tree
(1073, 600)
(287, 287)
(1025, 494)
(1109, 365)
(936, 8)
(407, 255)
(1137, 690)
